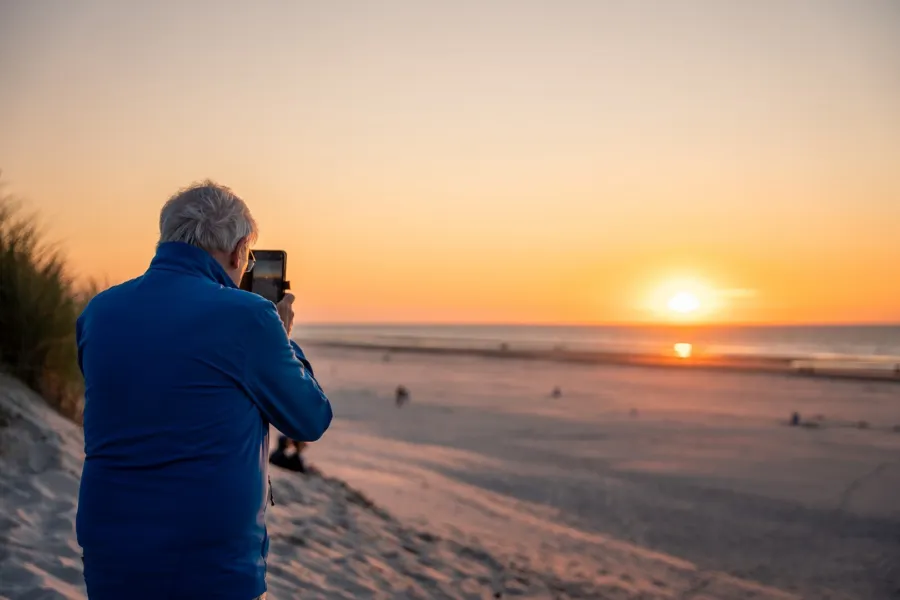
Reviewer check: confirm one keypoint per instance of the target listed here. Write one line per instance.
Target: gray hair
(207, 215)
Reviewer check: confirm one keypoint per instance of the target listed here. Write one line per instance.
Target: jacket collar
(191, 260)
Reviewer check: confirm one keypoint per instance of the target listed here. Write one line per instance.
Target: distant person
(279, 457)
(401, 396)
(297, 463)
(292, 461)
(556, 393)
(184, 374)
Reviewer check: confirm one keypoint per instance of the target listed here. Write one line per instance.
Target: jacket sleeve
(281, 382)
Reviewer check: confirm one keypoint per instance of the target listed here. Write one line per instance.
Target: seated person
(296, 459)
(291, 462)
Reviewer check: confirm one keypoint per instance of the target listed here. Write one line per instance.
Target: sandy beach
(635, 483)
(696, 467)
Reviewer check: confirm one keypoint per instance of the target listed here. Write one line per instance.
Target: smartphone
(268, 275)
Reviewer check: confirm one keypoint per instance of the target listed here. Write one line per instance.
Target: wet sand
(697, 466)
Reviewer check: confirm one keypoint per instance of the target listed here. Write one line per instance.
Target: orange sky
(509, 161)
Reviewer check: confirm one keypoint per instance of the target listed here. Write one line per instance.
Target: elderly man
(184, 372)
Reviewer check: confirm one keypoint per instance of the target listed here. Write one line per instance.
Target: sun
(683, 299)
(684, 303)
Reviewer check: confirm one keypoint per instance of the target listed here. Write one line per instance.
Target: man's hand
(286, 312)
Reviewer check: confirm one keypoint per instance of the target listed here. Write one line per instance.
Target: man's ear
(237, 255)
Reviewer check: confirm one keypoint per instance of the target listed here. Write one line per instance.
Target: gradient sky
(502, 161)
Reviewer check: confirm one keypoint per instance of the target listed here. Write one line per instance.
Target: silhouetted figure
(295, 460)
(556, 393)
(401, 397)
(279, 457)
(291, 462)
(795, 419)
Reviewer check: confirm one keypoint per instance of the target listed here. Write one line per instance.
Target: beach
(636, 482)
(695, 466)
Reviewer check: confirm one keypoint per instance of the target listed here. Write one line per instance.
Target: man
(184, 372)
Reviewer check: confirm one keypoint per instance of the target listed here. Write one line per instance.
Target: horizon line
(594, 324)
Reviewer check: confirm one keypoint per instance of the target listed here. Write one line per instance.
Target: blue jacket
(184, 373)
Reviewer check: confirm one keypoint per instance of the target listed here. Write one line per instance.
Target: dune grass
(39, 303)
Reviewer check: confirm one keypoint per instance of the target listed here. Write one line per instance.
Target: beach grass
(39, 304)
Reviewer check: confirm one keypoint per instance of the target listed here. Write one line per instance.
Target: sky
(503, 161)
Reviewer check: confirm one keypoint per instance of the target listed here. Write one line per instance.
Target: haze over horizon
(516, 162)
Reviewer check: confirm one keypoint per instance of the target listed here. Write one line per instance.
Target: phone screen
(267, 276)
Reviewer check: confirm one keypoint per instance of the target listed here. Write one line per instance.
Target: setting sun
(684, 297)
(684, 303)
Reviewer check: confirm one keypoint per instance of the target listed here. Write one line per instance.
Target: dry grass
(39, 304)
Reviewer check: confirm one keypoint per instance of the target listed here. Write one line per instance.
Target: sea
(867, 344)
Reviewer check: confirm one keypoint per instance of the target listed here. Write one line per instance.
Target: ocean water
(867, 343)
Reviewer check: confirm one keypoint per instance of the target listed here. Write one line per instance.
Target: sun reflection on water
(683, 350)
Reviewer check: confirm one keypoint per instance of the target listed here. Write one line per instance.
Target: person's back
(183, 375)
